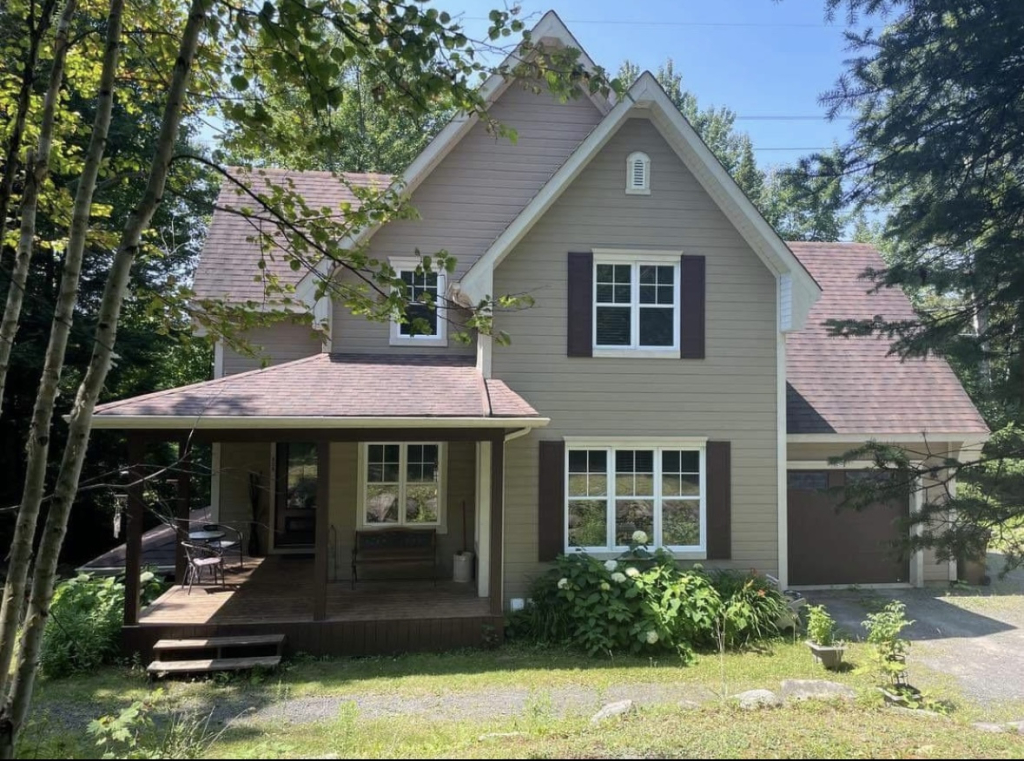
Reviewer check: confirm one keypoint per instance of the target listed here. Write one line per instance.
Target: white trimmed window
(401, 485)
(638, 174)
(424, 289)
(636, 302)
(614, 491)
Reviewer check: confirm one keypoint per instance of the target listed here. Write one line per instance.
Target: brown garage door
(845, 546)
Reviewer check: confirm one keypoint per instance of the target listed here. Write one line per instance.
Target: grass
(547, 724)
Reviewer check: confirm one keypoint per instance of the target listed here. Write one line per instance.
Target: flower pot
(904, 697)
(829, 656)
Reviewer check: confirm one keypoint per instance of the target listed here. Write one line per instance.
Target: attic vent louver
(638, 173)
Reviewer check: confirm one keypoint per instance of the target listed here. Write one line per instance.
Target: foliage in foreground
(133, 733)
(84, 627)
(644, 602)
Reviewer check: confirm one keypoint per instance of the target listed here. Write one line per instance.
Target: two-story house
(674, 376)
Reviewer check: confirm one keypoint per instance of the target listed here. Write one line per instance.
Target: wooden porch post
(323, 528)
(497, 521)
(133, 548)
(184, 500)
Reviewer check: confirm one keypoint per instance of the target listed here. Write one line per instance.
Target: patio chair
(199, 558)
(231, 540)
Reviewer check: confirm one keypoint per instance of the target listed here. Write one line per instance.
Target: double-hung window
(636, 302)
(424, 319)
(614, 491)
(402, 485)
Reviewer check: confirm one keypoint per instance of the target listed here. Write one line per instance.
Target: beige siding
(237, 462)
(472, 196)
(730, 395)
(344, 498)
(273, 345)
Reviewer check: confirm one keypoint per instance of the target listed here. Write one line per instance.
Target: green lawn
(445, 699)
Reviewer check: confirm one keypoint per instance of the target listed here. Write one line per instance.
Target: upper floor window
(425, 292)
(636, 302)
(638, 173)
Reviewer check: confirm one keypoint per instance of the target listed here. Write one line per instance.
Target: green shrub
(821, 627)
(888, 649)
(642, 602)
(84, 626)
(133, 733)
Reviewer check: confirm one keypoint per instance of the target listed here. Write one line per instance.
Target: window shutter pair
(580, 306)
(551, 500)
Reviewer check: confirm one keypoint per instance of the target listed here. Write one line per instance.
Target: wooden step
(207, 665)
(217, 643)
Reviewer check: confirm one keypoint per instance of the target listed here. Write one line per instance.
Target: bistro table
(206, 536)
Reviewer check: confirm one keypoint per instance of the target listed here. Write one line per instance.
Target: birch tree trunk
(17, 705)
(38, 167)
(28, 78)
(42, 415)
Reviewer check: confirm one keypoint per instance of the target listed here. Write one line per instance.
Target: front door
(295, 505)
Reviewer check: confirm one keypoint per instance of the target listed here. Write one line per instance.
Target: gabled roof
(647, 97)
(550, 30)
(853, 385)
(332, 391)
(227, 268)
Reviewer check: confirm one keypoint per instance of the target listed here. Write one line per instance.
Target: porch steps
(209, 654)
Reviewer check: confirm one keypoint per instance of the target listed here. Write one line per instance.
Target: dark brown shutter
(580, 305)
(691, 307)
(551, 500)
(719, 506)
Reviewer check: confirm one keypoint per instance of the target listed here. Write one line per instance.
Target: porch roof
(332, 391)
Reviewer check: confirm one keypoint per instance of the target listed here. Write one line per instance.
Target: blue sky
(759, 57)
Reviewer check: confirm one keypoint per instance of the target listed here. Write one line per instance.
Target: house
(674, 376)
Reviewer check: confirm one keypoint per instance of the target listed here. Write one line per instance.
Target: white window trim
(632, 189)
(637, 259)
(408, 264)
(441, 527)
(697, 444)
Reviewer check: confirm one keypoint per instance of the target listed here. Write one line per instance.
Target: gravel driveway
(974, 634)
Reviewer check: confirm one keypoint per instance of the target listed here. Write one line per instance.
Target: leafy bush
(888, 649)
(84, 626)
(643, 602)
(133, 733)
(821, 627)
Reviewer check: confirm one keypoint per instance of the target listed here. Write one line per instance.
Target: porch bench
(390, 546)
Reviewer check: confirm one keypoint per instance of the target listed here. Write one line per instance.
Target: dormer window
(423, 289)
(638, 174)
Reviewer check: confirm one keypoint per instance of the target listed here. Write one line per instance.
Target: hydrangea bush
(643, 602)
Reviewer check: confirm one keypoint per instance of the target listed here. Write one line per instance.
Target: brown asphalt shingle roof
(338, 385)
(227, 267)
(853, 385)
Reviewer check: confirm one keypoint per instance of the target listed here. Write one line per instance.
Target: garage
(841, 546)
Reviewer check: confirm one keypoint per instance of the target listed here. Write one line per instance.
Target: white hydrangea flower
(610, 565)
(605, 586)
(640, 537)
(632, 572)
(652, 637)
(618, 578)
(563, 583)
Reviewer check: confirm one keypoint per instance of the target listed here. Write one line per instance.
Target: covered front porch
(449, 486)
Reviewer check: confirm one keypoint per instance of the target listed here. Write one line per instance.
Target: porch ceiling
(333, 391)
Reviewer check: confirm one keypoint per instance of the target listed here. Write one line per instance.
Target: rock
(986, 726)
(688, 705)
(618, 708)
(815, 689)
(498, 736)
(753, 699)
(1015, 725)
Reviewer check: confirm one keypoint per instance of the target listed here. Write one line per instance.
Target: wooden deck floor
(279, 589)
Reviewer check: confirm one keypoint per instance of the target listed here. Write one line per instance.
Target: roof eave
(214, 422)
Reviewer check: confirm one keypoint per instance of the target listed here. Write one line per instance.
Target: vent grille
(638, 168)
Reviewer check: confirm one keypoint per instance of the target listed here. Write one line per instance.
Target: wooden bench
(391, 546)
